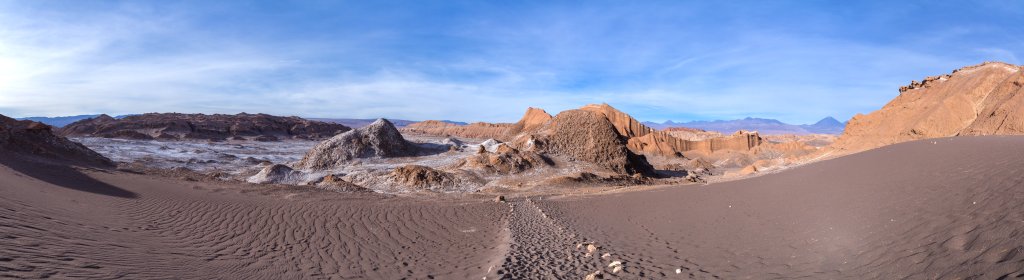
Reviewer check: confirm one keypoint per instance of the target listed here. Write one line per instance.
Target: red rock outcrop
(985, 99)
(504, 160)
(692, 134)
(647, 141)
(36, 141)
(588, 136)
(478, 130)
(172, 126)
(530, 122)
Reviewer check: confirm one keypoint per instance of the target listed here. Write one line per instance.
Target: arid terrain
(928, 187)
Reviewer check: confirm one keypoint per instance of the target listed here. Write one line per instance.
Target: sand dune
(983, 99)
(941, 208)
(948, 210)
(168, 228)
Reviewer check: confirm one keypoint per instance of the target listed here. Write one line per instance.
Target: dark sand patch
(941, 208)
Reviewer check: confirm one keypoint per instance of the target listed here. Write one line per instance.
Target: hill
(176, 126)
(984, 99)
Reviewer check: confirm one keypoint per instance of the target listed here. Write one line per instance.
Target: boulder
(380, 139)
(276, 174)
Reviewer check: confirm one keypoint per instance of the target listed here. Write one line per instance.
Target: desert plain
(928, 187)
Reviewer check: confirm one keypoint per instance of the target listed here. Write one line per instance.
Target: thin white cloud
(649, 62)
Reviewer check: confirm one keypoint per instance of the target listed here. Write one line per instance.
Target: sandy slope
(920, 210)
(953, 209)
(134, 226)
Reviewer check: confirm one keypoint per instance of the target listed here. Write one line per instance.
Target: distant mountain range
(828, 125)
(62, 121)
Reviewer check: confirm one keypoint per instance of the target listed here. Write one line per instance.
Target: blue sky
(796, 61)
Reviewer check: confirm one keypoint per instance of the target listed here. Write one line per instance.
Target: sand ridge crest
(985, 99)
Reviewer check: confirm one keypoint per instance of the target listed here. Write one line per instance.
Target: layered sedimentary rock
(692, 134)
(503, 159)
(533, 119)
(420, 177)
(647, 141)
(380, 139)
(29, 140)
(530, 122)
(587, 136)
(173, 126)
(984, 99)
(480, 130)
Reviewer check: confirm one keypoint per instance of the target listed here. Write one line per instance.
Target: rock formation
(984, 99)
(503, 159)
(420, 177)
(276, 174)
(650, 142)
(337, 183)
(380, 139)
(36, 141)
(172, 126)
(479, 130)
(530, 122)
(587, 136)
(692, 134)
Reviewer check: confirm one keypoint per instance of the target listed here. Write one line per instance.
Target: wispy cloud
(480, 61)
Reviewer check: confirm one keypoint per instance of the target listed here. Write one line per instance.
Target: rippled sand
(941, 208)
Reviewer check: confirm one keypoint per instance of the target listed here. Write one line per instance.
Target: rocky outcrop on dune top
(985, 99)
(534, 119)
(692, 134)
(276, 174)
(650, 142)
(380, 139)
(587, 136)
(478, 130)
(501, 158)
(36, 141)
(174, 126)
(420, 177)
(531, 121)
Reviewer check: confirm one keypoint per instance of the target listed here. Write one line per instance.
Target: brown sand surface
(62, 224)
(949, 208)
(937, 208)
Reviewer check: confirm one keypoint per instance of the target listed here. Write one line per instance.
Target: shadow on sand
(67, 177)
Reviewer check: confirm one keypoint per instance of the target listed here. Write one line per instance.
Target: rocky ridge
(985, 99)
(176, 126)
(379, 139)
(37, 142)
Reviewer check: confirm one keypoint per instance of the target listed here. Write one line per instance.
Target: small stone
(615, 263)
(679, 270)
(593, 276)
(606, 256)
(591, 248)
(500, 198)
(617, 269)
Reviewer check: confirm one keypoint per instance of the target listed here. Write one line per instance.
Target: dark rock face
(590, 137)
(378, 140)
(170, 126)
(36, 141)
